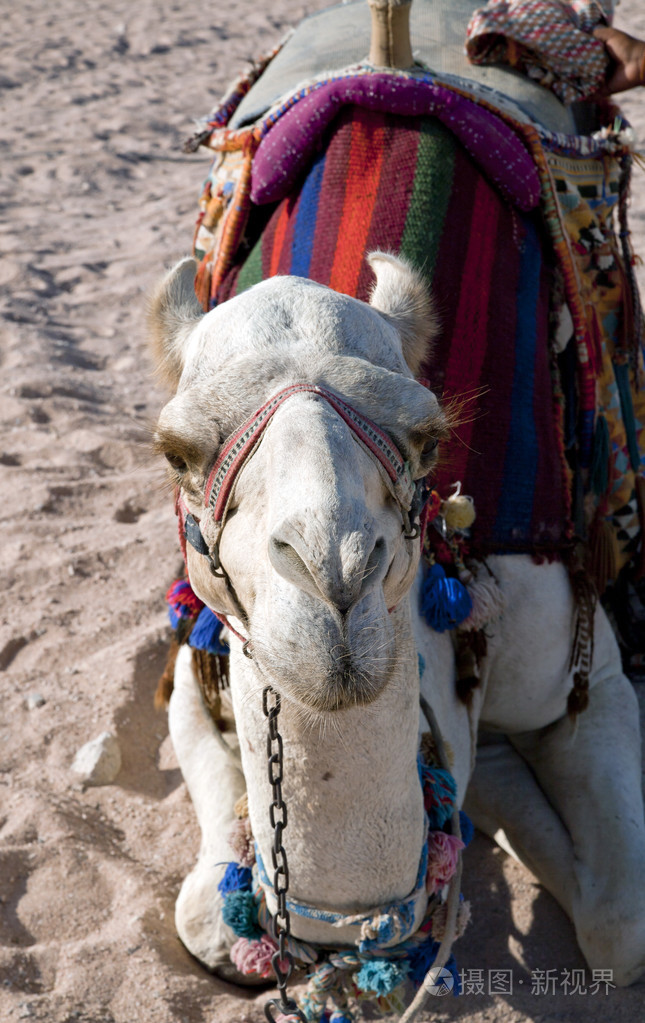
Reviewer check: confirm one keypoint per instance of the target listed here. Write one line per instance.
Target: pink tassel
(254, 956)
(443, 856)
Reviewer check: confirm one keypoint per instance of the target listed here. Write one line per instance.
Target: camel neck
(355, 810)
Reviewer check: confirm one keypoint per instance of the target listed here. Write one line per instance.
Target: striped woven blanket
(551, 435)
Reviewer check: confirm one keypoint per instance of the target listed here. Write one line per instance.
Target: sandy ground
(97, 197)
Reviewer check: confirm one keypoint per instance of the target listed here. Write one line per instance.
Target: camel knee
(613, 941)
(198, 917)
(201, 928)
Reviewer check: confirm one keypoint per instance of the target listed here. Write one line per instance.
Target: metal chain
(282, 959)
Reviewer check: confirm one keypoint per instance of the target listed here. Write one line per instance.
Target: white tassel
(489, 603)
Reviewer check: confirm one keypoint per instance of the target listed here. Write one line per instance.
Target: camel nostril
(341, 580)
(285, 559)
(375, 559)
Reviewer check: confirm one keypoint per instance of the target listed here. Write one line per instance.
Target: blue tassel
(467, 828)
(422, 664)
(235, 879)
(240, 913)
(206, 632)
(380, 976)
(445, 602)
(421, 959)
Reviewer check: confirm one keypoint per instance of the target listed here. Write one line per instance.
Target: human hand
(628, 59)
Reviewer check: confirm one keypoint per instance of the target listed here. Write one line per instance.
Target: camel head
(313, 548)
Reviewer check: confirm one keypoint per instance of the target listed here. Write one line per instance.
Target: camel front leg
(591, 774)
(504, 801)
(214, 779)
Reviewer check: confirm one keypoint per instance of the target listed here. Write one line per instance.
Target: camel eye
(429, 448)
(177, 462)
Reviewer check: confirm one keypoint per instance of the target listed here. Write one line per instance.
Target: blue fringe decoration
(445, 602)
(206, 632)
(235, 879)
(467, 828)
(381, 976)
(240, 913)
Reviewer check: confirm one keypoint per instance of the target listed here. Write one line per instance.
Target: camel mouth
(347, 677)
(348, 686)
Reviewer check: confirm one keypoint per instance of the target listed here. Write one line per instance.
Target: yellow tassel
(458, 511)
(604, 554)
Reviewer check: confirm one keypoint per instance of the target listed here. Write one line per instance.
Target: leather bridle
(242, 444)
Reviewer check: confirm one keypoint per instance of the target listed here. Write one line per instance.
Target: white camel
(322, 582)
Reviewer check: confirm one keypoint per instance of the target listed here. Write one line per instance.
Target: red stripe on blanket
(494, 406)
(464, 366)
(401, 143)
(282, 223)
(365, 164)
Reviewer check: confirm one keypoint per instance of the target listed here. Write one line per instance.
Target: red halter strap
(241, 444)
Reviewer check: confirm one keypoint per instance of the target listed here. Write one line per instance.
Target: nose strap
(243, 442)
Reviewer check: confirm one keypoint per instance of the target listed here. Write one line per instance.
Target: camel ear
(173, 312)
(402, 296)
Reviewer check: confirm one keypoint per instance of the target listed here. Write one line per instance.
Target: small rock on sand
(34, 700)
(99, 761)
